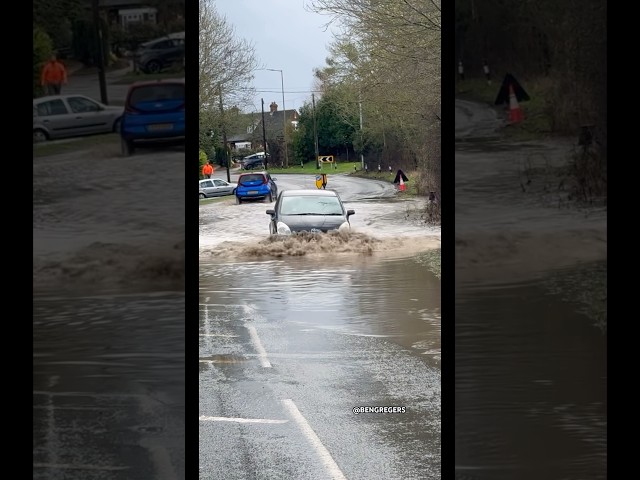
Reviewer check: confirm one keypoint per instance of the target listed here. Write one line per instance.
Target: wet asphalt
(282, 366)
(108, 387)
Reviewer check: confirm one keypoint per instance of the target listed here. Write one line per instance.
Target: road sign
(321, 181)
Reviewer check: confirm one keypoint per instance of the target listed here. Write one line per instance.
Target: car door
(54, 116)
(272, 186)
(208, 188)
(221, 187)
(175, 53)
(90, 117)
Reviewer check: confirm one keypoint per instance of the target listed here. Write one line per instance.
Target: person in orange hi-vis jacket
(207, 170)
(54, 75)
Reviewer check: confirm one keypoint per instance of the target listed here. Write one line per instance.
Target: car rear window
(153, 93)
(254, 177)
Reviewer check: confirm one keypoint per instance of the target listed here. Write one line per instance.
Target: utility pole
(223, 128)
(315, 131)
(100, 60)
(361, 135)
(284, 117)
(264, 137)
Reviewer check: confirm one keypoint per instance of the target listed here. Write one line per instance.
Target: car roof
(170, 36)
(55, 97)
(308, 193)
(209, 179)
(255, 173)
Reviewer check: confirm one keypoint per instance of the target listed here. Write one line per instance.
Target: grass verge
(310, 169)
(57, 147)
(431, 260)
(206, 201)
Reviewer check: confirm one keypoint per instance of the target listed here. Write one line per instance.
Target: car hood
(298, 223)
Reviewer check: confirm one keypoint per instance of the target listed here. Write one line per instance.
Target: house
(128, 12)
(250, 135)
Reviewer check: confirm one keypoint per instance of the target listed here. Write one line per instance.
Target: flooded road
(290, 345)
(108, 381)
(530, 335)
(108, 366)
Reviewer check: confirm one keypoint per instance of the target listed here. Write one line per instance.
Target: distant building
(250, 135)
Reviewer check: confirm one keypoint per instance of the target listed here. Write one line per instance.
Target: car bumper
(252, 195)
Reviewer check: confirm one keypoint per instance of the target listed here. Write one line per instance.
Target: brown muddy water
(397, 298)
(530, 311)
(531, 383)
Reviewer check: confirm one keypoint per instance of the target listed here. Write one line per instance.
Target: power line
(280, 91)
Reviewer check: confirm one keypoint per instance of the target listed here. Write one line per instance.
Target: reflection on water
(531, 378)
(395, 298)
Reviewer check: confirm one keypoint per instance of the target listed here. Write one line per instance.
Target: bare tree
(389, 57)
(226, 62)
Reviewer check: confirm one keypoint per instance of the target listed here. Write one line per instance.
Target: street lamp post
(284, 117)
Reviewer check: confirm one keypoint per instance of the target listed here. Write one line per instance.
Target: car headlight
(345, 227)
(283, 229)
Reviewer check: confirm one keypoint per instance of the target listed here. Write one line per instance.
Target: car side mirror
(274, 178)
(271, 212)
(350, 212)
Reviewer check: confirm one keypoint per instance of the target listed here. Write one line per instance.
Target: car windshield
(251, 178)
(154, 93)
(310, 205)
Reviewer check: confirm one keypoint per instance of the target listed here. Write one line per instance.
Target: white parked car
(216, 187)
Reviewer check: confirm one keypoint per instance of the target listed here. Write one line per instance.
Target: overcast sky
(285, 37)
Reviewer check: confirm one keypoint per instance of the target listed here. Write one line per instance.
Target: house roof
(273, 123)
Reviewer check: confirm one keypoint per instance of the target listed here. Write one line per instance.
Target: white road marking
(217, 335)
(326, 458)
(70, 466)
(206, 300)
(240, 420)
(262, 354)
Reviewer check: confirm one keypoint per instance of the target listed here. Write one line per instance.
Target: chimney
(273, 107)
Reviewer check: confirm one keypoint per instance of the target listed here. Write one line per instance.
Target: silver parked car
(61, 116)
(216, 187)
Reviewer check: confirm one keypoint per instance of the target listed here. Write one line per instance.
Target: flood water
(531, 386)
(530, 312)
(339, 330)
(394, 298)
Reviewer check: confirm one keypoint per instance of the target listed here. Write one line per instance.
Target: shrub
(42, 50)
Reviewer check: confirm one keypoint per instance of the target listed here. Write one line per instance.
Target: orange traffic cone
(402, 185)
(515, 112)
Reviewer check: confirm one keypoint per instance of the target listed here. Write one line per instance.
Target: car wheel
(202, 195)
(153, 66)
(268, 198)
(238, 201)
(126, 147)
(39, 136)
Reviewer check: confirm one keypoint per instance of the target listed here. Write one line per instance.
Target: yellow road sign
(321, 181)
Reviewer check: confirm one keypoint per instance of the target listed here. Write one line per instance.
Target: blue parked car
(153, 111)
(258, 185)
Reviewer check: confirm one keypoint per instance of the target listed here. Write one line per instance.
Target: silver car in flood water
(61, 116)
(315, 211)
(216, 187)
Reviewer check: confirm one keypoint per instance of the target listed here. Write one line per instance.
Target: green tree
(203, 160)
(42, 50)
